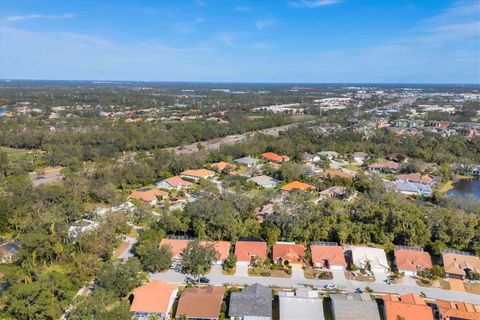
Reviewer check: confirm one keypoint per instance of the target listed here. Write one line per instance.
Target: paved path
(349, 286)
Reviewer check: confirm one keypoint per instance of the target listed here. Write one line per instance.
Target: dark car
(204, 280)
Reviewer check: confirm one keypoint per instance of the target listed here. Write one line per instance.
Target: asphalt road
(217, 278)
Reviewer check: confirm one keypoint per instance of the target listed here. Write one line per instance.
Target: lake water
(463, 187)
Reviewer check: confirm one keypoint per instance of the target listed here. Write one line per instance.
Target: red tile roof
(293, 253)
(457, 263)
(200, 173)
(333, 254)
(153, 297)
(245, 250)
(408, 307)
(458, 310)
(200, 302)
(177, 182)
(147, 194)
(416, 177)
(178, 245)
(412, 260)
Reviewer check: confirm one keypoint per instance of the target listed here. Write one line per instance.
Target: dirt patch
(472, 287)
(268, 273)
(358, 276)
(317, 274)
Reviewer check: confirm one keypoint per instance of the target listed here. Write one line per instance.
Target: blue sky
(395, 41)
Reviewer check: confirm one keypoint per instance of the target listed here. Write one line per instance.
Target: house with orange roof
(388, 166)
(273, 157)
(416, 177)
(200, 303)
(337, 173)
(248, 250)
(409, 306)
(173, 183)
(289, 253)
(411, 260)
(155, 298)
(148, 195)
(197, 174)
(219, 166)
(452, 310)
(178, 246)
(297, 185)
(459, 264)
(328, 255)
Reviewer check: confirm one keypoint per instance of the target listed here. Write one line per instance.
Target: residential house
(411, 260)
(253, 302)
(178, 246)
(248, 162)
(358, 306)
(459, 264)
(308, 157)
(456, 310)
(197, 174)
(359, 157)
(262, 213)
(297, 186)
(81, 226)
(173, 183)
(148, 195)
(337, 173)
(413, 188)
(328, 255)
(372, 259)
(264, 181)
(389, 166)
(273, 157)
(200, 303)
(416, 177)
(219, 166)
(305, 305)
(331, 155)
(155, 298)
(334, 192)
(8, 251)
(248, 250)
(289, 253)
(409, 306)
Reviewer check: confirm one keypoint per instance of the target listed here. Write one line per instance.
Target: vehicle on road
(330, 286)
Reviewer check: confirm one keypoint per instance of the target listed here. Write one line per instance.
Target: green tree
(157, 259)
(120, 277)
(197, 258)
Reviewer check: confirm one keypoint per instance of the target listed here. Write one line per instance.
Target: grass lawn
(262, 272)
(228, 273)
(15, 154)
(445, 187)
(314, 274)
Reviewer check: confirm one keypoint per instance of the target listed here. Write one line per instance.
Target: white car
(330, 286)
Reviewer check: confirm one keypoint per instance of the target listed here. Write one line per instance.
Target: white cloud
(260, 24)
(241, 8)
(40, 16)
(312, 3)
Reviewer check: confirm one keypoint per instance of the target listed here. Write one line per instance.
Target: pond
(465, 187)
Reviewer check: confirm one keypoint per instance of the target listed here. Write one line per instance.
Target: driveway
(338, 275)
(409, 281)
(241, 270)
(297, 274)
(380, 277)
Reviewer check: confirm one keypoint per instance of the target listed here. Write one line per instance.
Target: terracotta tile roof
(200, 302)
(178, 245)
(416, 177)
(153, 297)
(220, 166)
(297, 185)
(338, 174)
(245, 250)
(412, 260)
(408, 307)
(200, 173)
(333, 254)
(177, 182)
(457, 263)
(271, 156)
(459, 310)
(294, 253)
(147, 194)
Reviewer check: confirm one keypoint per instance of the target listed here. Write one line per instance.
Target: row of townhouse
(330, 256)
(157, 298)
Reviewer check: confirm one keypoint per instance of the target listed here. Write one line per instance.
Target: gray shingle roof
(354, 306)
(253, 301)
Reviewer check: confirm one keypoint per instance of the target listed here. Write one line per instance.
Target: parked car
(330, 286)
(358, 290)
(204, 280)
